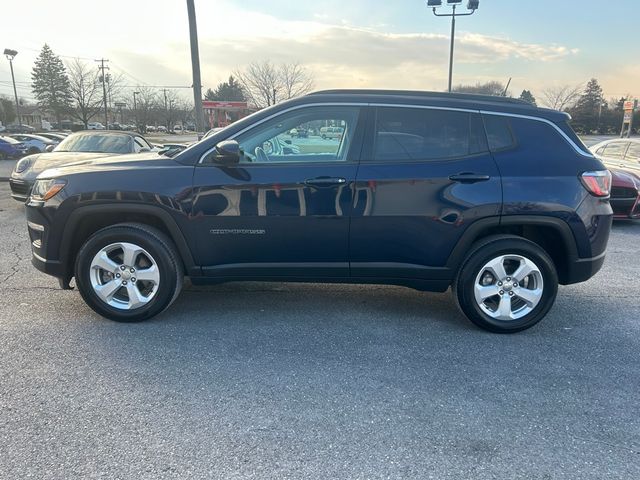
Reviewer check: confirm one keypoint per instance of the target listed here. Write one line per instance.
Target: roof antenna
(504, 93)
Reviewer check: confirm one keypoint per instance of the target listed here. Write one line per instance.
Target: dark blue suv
(491, 196)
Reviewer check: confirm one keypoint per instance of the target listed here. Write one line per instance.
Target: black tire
(159, 246)
(3, 156)
(483, 252)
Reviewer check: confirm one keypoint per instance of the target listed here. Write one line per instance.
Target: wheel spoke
(107, 290)
(496, 266)
(531, 297)
(484, 292)
(130, 254)
(504, 308)
(150, 274)
(136, 299)
(525, 269)
(103, 262)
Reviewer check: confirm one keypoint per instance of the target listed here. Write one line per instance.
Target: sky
(396, 44)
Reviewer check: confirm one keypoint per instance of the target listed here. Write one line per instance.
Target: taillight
(597, 183)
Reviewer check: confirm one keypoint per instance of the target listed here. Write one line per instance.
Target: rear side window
(634, 152)
(615, 149)
(499, 133)
(417, 134)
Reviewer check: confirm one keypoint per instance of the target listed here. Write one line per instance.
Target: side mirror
(49, 148)
(227, 152)
(144, 150)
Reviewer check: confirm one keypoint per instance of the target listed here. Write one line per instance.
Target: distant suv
(491, 196)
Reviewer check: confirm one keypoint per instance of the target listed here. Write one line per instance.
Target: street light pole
(195, 66)
(472, 6)
(10, 54)
(453, 36)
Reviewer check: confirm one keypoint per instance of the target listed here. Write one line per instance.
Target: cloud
(349, 56)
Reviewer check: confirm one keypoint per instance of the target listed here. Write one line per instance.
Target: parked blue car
(11, 148)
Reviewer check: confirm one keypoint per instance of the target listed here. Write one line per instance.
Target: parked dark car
(11, 148)
(77, 147)
(622, 158)
(491, 196)
(15, 128)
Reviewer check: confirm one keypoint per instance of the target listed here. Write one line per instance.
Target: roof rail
(426, 94)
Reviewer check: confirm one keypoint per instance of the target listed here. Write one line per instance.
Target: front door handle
(325, 181)
(469, 177)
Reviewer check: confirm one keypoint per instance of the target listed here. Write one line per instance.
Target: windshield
(9, 140)
(96, 143)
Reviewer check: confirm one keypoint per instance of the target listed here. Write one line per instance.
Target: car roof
(442, 99)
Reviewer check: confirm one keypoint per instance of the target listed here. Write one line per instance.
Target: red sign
(629, 105)
(223, 104)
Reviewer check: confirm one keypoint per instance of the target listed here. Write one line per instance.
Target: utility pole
(164, 91)
(135, 110)
(195, 66)
(102, 68)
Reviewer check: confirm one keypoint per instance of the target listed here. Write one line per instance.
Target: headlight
(24, 165)
(43, 190)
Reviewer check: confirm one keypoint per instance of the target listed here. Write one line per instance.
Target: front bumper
(39, 231)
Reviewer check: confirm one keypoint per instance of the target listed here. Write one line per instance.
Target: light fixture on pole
(472, 6)
(10, 54)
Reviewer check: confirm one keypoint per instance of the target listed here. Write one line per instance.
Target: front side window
(416, 134)
(308, 135)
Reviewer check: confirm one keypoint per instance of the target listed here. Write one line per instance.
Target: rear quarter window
(499, 133)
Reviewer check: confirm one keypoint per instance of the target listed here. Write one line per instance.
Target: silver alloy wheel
(124, 276)
(508, 287)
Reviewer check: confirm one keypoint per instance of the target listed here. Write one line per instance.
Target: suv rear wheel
(128, 272)
(506, 284)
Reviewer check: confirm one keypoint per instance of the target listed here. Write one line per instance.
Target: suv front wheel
(506, 284)
(128, 272)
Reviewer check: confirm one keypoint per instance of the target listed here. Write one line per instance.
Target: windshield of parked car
(95, 143)
(9, 140)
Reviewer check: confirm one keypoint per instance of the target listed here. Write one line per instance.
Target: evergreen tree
(50, 83)
(230, 90)
(527, 96)
(587, 112)
(7, 111)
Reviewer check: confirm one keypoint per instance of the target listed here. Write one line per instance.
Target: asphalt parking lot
(317, 381)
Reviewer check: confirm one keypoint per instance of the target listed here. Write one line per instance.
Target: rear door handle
(325, 181)
(469, 178)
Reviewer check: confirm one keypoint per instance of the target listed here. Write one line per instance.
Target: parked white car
(95, 126)
(161, 128)
(178, 129)
(34, 143)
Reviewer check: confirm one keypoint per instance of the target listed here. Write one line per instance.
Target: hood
(134, 161)
(44, 161)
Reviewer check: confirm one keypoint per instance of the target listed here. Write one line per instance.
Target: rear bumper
(582, 269)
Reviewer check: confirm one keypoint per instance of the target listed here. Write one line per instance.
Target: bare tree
(561, 97)
(296, 80)
(493, 88)
(86, 91)
(266, 84)
(146, 106)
